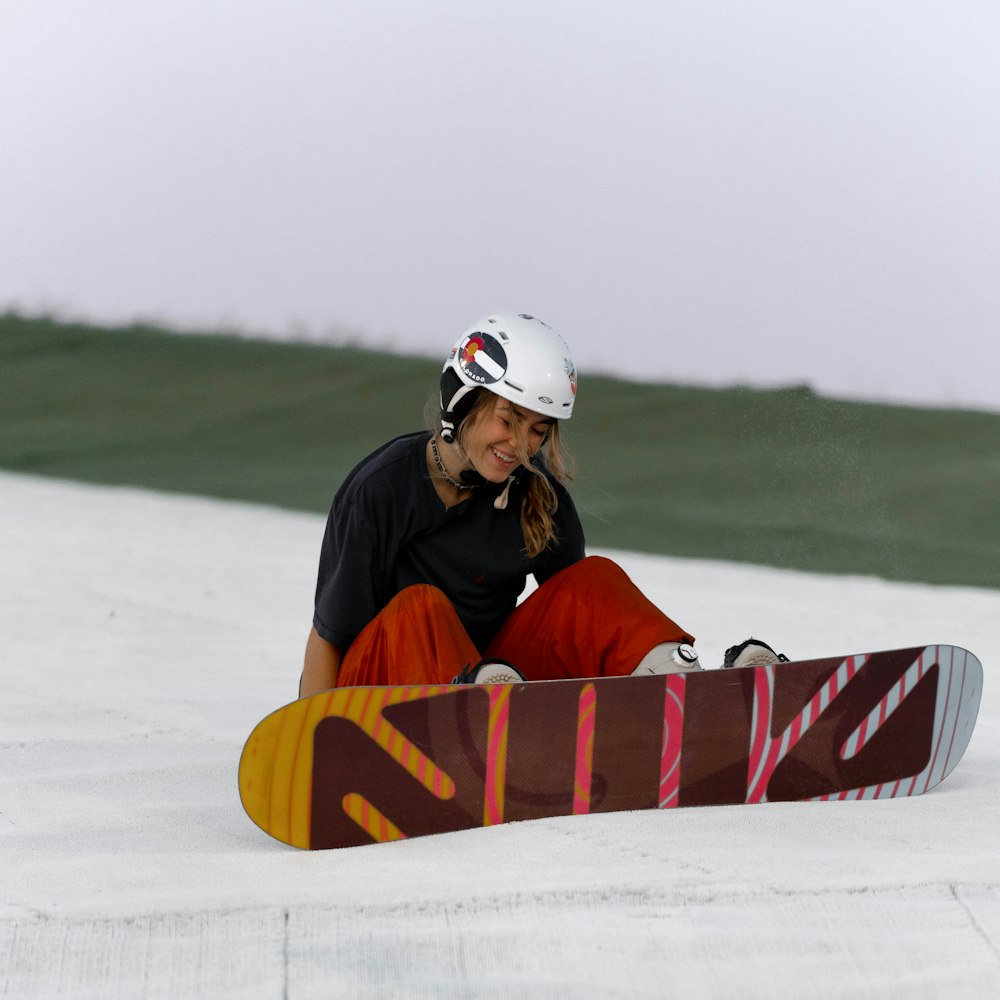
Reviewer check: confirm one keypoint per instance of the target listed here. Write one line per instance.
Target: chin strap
(456, 401)
(470, 479)
(501, 501)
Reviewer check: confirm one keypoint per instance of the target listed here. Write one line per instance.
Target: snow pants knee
(589, 620)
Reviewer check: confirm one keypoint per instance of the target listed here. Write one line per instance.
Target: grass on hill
(784, 478)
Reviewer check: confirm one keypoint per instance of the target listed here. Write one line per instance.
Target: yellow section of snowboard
(276, 768)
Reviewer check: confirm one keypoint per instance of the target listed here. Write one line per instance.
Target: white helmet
(517, 357)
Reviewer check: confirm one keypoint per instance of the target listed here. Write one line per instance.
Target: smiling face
(501, 436)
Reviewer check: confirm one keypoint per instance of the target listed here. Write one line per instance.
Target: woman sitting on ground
(431, 538)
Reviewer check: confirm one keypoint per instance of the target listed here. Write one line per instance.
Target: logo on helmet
(482, 358)
(570, 374)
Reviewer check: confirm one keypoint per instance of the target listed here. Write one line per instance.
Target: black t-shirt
(388, 529)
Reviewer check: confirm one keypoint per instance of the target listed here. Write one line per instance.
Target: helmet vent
(513, 385)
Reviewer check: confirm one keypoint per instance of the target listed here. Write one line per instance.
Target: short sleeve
(348, 591)
(569, 546)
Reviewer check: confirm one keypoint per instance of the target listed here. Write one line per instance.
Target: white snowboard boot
(668, 658)
(752, 653)
(489, 672)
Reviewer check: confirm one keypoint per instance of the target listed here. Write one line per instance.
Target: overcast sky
(702, 191)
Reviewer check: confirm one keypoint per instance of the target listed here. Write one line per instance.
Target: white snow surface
(143, 635)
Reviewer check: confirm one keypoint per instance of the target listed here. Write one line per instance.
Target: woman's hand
(322, 664)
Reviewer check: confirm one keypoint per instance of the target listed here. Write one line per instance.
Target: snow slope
(143, 635)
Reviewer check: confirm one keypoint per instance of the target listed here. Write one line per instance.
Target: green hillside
(781, 478)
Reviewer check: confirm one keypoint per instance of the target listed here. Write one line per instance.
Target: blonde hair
(540, 503)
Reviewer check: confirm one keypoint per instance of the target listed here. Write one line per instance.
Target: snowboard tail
(361, 765)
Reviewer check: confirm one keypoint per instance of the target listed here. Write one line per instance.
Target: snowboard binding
(489, 672)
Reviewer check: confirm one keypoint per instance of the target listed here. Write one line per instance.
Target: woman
(431, 538)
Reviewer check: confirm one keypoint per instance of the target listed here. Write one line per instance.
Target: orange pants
(589, 620)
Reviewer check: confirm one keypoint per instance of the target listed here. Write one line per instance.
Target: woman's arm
(322, 664)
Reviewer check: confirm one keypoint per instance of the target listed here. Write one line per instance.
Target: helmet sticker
(482, 358)
(571, 374)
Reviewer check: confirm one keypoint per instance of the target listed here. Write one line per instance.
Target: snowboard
(362, 765)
